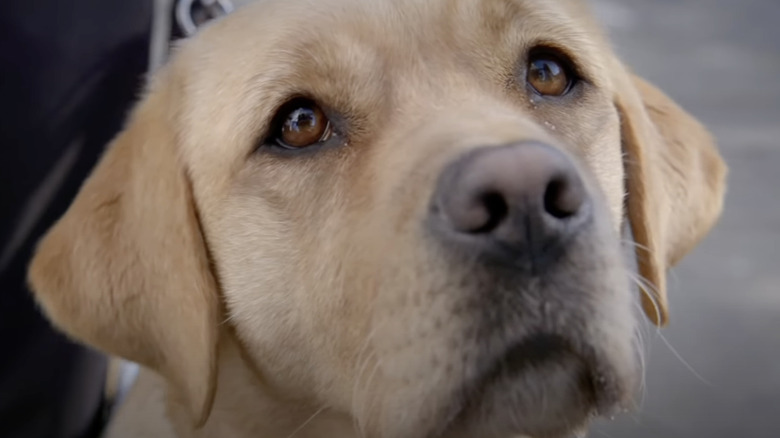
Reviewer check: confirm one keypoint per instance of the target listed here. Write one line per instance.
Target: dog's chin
(540, 388)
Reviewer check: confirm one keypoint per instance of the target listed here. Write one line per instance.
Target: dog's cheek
(255, 258)
(413, 349)
(610, 324)
(604, 159)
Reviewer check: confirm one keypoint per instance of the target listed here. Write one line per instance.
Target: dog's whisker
(641, 344)
(358, 416)
(306, 423)
(643, 283)
(636, 245)
(361, 369)
(368, 401)
(604, 434)
(227, 319)
(361, 409)
(646, 286)
(673, 274)
(683, 361)
(648, 290)
(518, 422)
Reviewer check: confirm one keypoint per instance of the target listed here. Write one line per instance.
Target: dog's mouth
(543, 386)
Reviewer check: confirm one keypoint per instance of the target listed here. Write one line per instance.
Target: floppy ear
(126, 269)
(675, 183)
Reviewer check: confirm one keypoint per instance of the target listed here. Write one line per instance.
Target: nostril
(496, 208)
(521, 196)
(563, 198)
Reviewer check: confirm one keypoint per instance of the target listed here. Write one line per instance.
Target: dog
(396, 219)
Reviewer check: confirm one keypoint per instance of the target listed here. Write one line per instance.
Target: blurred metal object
(162, 29)
(191, 14)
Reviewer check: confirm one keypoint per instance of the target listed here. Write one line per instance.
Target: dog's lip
(543, 347)
(601, 386)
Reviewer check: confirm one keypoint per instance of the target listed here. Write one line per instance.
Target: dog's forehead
(406, 27)
(417, 22)
(351, 45)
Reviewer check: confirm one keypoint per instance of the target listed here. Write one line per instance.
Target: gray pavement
(720, 59)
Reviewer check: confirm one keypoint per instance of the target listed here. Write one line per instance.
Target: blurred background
(714, 372)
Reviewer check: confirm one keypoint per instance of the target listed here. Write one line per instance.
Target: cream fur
(277, 296)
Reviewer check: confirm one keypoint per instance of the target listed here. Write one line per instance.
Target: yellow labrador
(387, 218)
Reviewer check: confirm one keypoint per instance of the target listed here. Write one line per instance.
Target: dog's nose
(520, 201)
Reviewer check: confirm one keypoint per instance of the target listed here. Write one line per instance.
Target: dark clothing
(69, 70)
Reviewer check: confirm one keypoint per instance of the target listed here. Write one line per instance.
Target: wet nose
(515, 201)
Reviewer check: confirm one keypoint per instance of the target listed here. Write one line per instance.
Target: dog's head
(406, 211)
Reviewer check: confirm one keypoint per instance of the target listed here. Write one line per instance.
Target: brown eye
(302, 124)
(548, 75)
